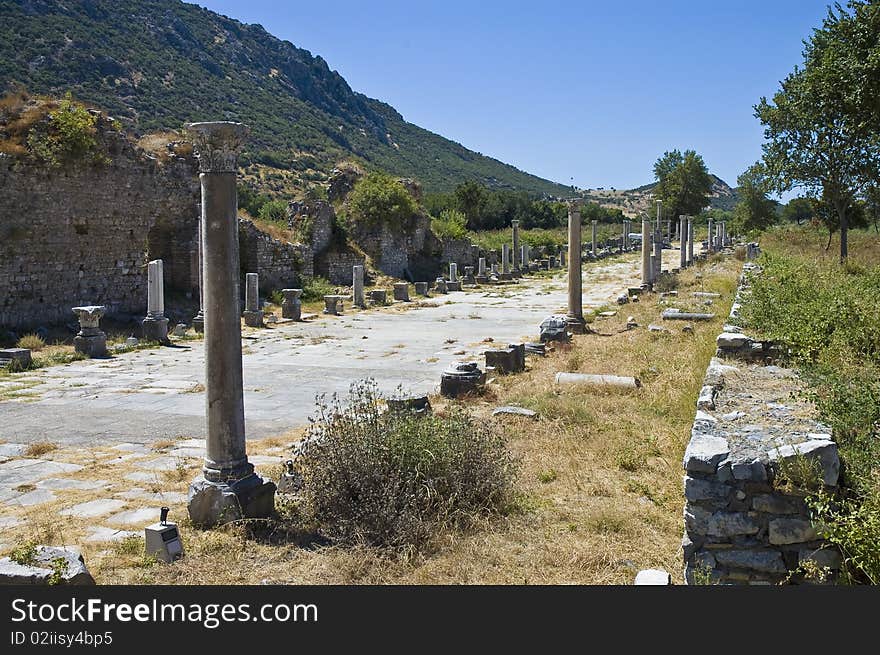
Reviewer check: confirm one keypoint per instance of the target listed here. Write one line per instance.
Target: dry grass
(39, 448)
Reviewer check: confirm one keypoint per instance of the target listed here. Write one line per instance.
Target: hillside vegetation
(156, 64)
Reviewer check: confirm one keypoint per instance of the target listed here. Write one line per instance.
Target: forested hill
(156, 64)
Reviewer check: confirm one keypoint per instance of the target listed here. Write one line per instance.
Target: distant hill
(633, 202)
(156, 64)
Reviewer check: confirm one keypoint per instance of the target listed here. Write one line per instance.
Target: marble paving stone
(145, 515)
(165, 463)
(138, 476)
(12, 449)
(62, 484)
(93, 508)
(27, 471)
(30, 498)
(102, 533)
(7, 522)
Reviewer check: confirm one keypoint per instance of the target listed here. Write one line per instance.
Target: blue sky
(586, 93)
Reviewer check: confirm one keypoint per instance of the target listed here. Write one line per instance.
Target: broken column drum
(155, 325)
(90, 340)
(575, 318)
(253, 316)
(554, 328)
(357, 286)
(508, 360)
(461, 379)
(229, 489)
(291, 306)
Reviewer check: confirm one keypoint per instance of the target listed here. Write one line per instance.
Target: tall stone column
(453, 272)
(669, 229)
(229, 488)
(357, 286)
(682, 239)
(623, 238)
(646, 253)
(505, 259)
(723, 234)
(481, 266)
(524, 257)
(658, 252)
(575, 317)
(690, 240)
(198, 321)
(155, 325)
(516, 251)
(595, 244)
(709, 244)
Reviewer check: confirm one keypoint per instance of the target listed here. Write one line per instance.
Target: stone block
(401, 291)
(776, 504)
(462, 378)
(728, 524)
(73, 571)
(509, 360)
(19, 358)
(791, 531)
(210, 503)
(698, 490)
(253, 319)
(761, 560)
(819, 450)
(826, 557)
(696, 520)
(704, 452)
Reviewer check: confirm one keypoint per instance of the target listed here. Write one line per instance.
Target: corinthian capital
(216, 145)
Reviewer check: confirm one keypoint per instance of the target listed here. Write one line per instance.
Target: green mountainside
(156, 64)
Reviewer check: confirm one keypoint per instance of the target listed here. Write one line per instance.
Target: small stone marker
(90, 340)
(253, 316)
(378, 297)
(401, 291)
(453, 272)
(422, 289)
(291, 305)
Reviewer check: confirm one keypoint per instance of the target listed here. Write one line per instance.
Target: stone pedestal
(90, 340)
(453, 272)
(16, 358)
(155, 329)
(401, 291)
(421, 289)
(228, 489)
(378, 297)
(469, 276)
(505, 259)
(508, 360)
(481, 266)
(291, 305)
(440, 285)
(357, 286)
(461, 379)
(482, 279)
(333, 304)
(453, 286)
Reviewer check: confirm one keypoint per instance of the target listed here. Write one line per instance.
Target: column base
(253, 319)
(575, 325)
(93, 345)
(198, 322)
(212, 503)
(155, 329)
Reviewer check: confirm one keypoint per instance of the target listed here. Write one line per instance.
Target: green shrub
(273, 210)
(316, 288)
(393, 479)
(451, 224)
(379, 198)
(70, 135)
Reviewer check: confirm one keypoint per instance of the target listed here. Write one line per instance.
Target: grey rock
(706, 399)
(728, 524)
(653, 577)
(775, 504)
(697, 490)
(704, 452)
(74, 570)
(826, 557)
(763, 560)
(732, 341)
(791, 531)
(211, 503)
(696, 520)
(822, 451)
(753, 470)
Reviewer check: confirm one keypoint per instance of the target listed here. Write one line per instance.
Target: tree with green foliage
(379, 198)
(451, 224)
(683, 183)
(754, 211)
(274, 210)
(798, 210)
(822, 128)
(471, 200)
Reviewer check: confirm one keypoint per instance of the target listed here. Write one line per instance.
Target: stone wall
(82, 234)
(280, 265)
(751, 451)
(336, 266)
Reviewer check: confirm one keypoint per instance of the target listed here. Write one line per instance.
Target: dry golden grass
(40, 448)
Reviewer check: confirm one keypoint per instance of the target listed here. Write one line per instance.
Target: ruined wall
(743, 525)
(279, 264)
(336, 266)
(82, 234)
(460, 251)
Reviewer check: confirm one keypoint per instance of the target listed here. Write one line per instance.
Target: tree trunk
(828, 245)
(841, 214)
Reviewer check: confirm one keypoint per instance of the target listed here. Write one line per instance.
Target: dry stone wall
(82, 234)
(743, 525)
(280, 265)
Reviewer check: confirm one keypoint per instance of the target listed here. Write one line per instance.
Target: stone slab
(145, 515)
(93, 508)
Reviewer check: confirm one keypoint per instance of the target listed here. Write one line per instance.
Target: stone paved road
(146, 395)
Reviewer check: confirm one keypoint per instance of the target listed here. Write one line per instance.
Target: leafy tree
(798, 210)
(754, 211)
(821, 130)
(69, 136)
(378, 198)
(683, 183)
(451, 224)
(471, 199)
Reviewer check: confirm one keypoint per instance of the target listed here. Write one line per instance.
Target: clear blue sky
(586, 93)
